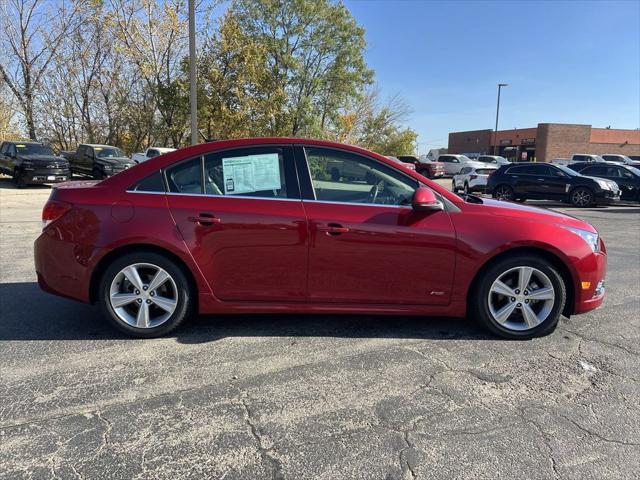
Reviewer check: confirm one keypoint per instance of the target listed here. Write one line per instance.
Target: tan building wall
(556, 140)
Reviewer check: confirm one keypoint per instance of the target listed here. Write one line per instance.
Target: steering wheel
(373, 193)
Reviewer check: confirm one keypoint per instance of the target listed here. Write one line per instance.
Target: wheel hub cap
(521, 298)
(143, 295)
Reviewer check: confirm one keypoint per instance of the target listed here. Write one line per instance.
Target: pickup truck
(32, 163)
(578, 157)
(98, 161)
(150, 153)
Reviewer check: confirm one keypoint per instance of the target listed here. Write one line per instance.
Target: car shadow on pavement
(8, 184)
(27, 313)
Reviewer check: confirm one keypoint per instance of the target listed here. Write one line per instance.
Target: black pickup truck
(98, 161)
(32, 163)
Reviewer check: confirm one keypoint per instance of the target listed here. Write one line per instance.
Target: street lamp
(193, 92)
(495, 132)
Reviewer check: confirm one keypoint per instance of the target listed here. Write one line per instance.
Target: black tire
(454, 189)
(503, 192)
(97, 174)
(18, 179)
(479, 296)
(465, 189)
(186, 297)
(581, 197)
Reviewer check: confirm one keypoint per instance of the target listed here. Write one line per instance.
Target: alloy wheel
(504, 192)
(581, 197)
(143, 295)
(521, 298)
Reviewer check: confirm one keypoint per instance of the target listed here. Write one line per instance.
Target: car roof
(97, 145)
(24, 143)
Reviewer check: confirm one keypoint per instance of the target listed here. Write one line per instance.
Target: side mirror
(425, 200)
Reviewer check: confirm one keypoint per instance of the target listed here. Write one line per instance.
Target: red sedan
(303, 226)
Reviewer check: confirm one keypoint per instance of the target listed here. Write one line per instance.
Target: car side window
(596, 170)
(465, 170)
(444, 159)
(152, 183)
(12, 150)
(153, 153)
(339, 176)
(186, 177)
(613, 172)
(250, 172)
(3, 148)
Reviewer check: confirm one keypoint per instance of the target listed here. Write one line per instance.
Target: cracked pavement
(315, 397)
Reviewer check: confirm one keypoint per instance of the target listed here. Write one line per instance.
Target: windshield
(465, 159)
(567, 170)
(33, 149)
(102, 152)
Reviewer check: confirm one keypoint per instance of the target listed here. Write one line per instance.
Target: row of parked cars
(35, 163)
(581, 184)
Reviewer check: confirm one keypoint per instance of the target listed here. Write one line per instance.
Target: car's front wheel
(18, 179)
(519, 297)
(581, 197)
(145, 294)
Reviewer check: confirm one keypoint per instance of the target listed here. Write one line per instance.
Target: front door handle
(333, 229)
(205, 219)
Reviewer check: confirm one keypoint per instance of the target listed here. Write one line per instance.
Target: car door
(240, 214)
(555, 182)
(367, 245)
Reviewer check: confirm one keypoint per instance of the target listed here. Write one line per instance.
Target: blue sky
(565, 62)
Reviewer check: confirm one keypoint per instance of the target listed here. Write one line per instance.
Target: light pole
(495, 132)
(193, 94)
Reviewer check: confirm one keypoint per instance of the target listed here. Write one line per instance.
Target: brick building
(545, 142)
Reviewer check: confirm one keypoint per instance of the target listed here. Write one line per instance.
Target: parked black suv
(546, 181)
(626, 176)
(98, 161)
(31, 162)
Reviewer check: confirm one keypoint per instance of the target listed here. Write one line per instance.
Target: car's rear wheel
(581, 197)
(466, 188)
(519, 297)
(503, 192)
(145, 294)
(97, 174)
(454, 189)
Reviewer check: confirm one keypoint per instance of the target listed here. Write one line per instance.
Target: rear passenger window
(186, 177)
(251, 172)
(152, 183)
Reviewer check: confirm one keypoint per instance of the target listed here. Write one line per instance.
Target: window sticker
(21, 146)
(252, 173)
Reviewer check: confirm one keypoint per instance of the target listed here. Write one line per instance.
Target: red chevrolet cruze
(303, 226)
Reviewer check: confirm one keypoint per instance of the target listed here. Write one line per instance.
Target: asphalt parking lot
(315, 397)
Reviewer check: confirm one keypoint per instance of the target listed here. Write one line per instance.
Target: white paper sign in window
(252, 173)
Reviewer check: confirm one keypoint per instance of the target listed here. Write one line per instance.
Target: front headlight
(590, 237)
(604, 184)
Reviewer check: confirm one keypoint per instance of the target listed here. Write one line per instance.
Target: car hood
(115, 161)
(537, 214)
(44, 159)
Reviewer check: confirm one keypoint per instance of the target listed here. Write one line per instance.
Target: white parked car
(454, 163)
(473, 179)
(494, 159)
(578, 157)
(150, 153)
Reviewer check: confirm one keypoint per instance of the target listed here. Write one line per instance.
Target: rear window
(485, 171)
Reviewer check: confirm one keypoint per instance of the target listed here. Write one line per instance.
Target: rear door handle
(206, 219)
(333, 229)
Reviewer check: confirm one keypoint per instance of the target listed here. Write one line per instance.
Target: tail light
(53, 210)
(473, 177)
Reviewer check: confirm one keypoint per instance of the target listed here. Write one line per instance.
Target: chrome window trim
(361, 204)
(209, 195)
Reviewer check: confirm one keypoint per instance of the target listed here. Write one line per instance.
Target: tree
(33, 32)
(313, 56)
